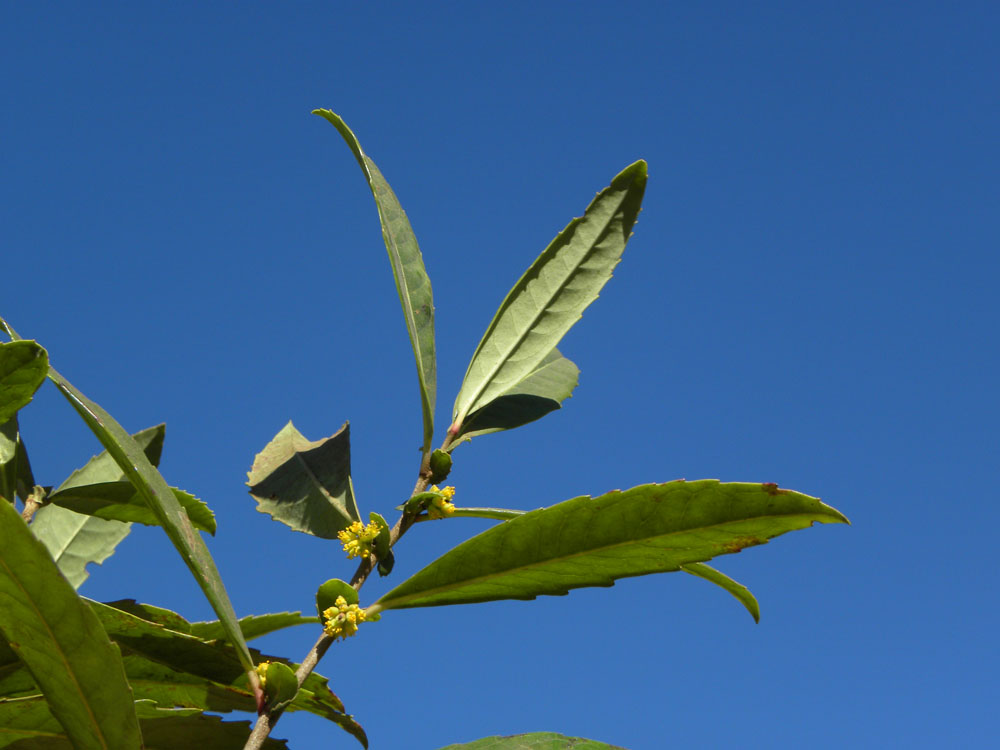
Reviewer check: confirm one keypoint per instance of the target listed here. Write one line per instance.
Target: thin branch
(267, 720)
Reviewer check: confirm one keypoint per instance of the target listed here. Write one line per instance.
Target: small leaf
(306, 485)
(23, 365)
(131, 459)
(382, 544)
(738, 590)
(119, 501)
(62, 644)
(412, 282)
(533, 741)
(542, 391)
(280, 685)
(327, 594)
(75, 540)
(653, 528)
(552, 295)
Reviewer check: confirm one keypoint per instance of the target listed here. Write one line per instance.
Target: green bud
(440, 466)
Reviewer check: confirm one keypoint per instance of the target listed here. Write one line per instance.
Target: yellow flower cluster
(441, 507)
(261, 670)
(341, 621)
(358, 539)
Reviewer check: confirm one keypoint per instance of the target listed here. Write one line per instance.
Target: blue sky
(809, 299)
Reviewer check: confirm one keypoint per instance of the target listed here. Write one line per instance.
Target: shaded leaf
(62, 644)
(23, 365)
(104, 468)
(119, 501)
(75, 540)
(14, 466)
(412, 282)
(738, 590)
(306, 484)
(541, 391)
(552, 294)
(27, 724)
(132, 460)
(533, 741)
(652, 528)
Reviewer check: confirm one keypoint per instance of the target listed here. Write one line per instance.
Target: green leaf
(306, 485)
(741, 592)
(533, 741)
(74, 540)
(62, 644)
(326, 595)
(119, 501)
(383, 544)
(253, 626)
(103, 467)
(552, 295)
(541, 391)
(653, 528)
(23, 365)
(412, 283)
(131, 459)
(280, 685)
(15, 469)
(500, 514)
(28, 724)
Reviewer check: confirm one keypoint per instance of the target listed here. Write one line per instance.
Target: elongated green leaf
(62, 643)
(119, 501)
(75, 540)
(23, 365)
(533, 741)
(653, 528)
(738, 590)
(28, 724)
(412, 283)
(306, 484)
(131, 459)
(543, 390)
(253, 626)
(16, 479)
(552, 294)
(500, 514)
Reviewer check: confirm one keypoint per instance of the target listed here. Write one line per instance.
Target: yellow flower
(261, 670)
(358, 539)
(441, 507)
(341, 620)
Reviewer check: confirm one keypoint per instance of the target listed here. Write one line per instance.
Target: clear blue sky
(809, 299)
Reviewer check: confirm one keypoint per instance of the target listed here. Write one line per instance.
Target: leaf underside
(552, 294)
(407, 263)
(131, 459)
(652, 528)
(740, 592)
(542, 391)
(306, 484)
